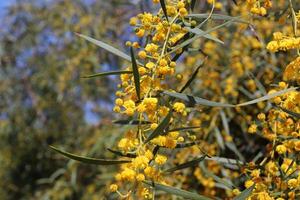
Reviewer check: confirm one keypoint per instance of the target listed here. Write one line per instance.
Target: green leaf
(219, 138)
(187, 42)
(89, 160)
(186, 165)
(108, 74)
(107, 47)
(267, 97)
(130, 122)
(226, 183)
(163, 6)
(245, 194)
(193, 2)
(118, 153)
(198, 31)
(218, 17)
(184, 128)
(192, 101)
(194, 75)
(176, 191)
(161, 127)
(222, 160)
(293, 114)
(184, 145)
(136, 74)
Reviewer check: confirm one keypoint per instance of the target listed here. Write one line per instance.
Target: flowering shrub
(200, 116)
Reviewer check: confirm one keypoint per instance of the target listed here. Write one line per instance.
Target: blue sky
(4, 4)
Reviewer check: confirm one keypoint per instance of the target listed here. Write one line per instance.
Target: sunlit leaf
(176, 191)
(192, 101)
(189, 41)
(106, 47)
(89, 160)
(161, 127)
(218, 17)
(136, 74)
(198, 31)
(267, 97)
(107, 74)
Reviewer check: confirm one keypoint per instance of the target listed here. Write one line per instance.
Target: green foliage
(42, 97)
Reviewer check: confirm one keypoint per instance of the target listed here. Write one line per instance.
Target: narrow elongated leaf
(219, 138)
(184, 128)
(186, 164)
(192, 101)
(163, 6)
(199, 101)
(198, 31)
(293, 114)
(108, 74)
(218, 17)
(130, 122)
(245, 194)
(267, 97)
(194, 75)
(136, 74)
(225, 160)
(189, 41)
(161, 128)
(193, 2)
(89, 160)
(106, 47)
(129, 155)
(234, 149)
(225, 183)
(184, 145)
(176, 191)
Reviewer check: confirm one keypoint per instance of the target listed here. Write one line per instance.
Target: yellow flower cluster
(283, 43)
(259, 8)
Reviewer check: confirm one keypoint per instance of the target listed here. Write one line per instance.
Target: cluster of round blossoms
(155, 65)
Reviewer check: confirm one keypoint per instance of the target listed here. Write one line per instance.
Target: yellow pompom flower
(160, 159)
(113, 188)
(179, 107)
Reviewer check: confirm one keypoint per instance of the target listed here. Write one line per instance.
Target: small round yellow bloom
(117, 109)
(142, 54)
(119, 102)
(179, 107)
(249, 183)
(150, 65)
(281, 149)
(140, 32)
(160, 159)
(140, 177)
(113, 188)
(293, 183)
(153, 126)
(261, 116)
(133, 21)
(252, 128)
(183, 12)
(236, 192)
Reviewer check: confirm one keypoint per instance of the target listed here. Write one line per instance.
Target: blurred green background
(44, 101)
